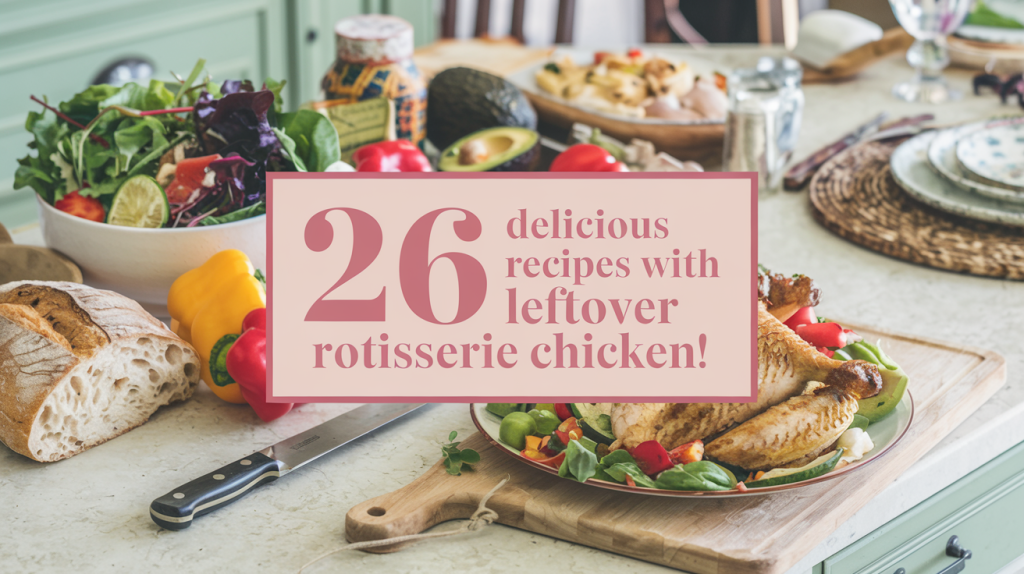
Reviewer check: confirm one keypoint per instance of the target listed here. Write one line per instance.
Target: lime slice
(819, 466)
(139, 202)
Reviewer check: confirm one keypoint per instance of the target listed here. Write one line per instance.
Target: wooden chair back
(563, 26)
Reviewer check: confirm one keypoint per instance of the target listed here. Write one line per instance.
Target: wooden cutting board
(761, 534)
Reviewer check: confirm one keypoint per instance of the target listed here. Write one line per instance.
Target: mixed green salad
(576, 438)
(177, 154)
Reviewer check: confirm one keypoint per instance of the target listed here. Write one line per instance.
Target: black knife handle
(176, 509)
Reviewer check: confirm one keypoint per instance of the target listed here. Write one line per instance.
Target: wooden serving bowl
(31, 263)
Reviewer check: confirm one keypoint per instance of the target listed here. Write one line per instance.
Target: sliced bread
(80, 366)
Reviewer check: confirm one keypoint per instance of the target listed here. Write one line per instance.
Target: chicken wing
(801, 427)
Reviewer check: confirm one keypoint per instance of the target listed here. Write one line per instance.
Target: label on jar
(358, 123)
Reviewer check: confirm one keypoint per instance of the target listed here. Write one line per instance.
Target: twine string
(482, 517)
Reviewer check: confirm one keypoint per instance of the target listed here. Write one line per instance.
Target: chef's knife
(176, 509)
(798, 175)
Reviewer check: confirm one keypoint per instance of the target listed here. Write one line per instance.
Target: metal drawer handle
(954, 550)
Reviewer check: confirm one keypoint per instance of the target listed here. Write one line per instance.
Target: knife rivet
(178, 495)
(218, 477)
(246, 462)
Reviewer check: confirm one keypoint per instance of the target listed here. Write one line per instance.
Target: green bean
(841, 355)
(860, 352)
(883, 359)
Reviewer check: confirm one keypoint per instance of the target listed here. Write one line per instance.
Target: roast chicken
(805, 400)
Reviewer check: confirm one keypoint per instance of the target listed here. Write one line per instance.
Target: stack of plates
(974, 170)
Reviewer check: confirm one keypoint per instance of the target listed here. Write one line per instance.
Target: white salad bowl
(142, 263)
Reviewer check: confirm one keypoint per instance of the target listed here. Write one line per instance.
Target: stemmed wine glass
(929, 22)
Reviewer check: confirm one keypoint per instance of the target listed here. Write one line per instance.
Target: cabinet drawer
(984, 509)
(55, 57)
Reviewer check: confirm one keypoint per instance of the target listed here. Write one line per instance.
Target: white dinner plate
(942, 157)
(884, 434)
(991, 34)
(526, 80)
(994, 155)
(913, 172)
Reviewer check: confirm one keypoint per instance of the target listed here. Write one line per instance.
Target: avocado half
(493, 149)
(461, 101)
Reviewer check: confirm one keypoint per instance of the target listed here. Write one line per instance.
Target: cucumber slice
(597, 432)
(590, 411)
(819, 466)
(139, 202)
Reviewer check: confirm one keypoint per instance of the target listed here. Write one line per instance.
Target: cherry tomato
(635, 53)
(188, 177)
(563, 411)
(85, 207)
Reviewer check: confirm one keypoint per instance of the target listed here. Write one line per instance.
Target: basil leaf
(619, 470)
(700, 475)
(617, 456)
(237, 215)
(314, 141)
(582, 462)
(470, 456)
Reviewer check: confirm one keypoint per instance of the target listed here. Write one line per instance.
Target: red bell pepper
(823, 334)
(555, 461)
(651, 457)
(247, 364)
(692, 451)
(392, 156)
(804, 316)
(256, 319)
(587, 157)
(80, 206)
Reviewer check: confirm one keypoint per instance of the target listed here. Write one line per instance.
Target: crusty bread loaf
(80, 366)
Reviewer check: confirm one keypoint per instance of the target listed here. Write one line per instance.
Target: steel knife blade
(798, 175)
(177, 509)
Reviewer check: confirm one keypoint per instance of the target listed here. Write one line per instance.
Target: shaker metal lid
(373, 38)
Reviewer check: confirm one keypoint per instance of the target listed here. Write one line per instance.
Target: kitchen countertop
(91, 511)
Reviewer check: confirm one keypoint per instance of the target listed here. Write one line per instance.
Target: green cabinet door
(55, 48)
(313, 33)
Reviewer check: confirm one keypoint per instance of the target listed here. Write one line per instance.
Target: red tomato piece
(563, 411)
(630, 481)
(804, 316)
(828, 353)
(635, 53)
(85, 207)
(188, 177)
(651, 457)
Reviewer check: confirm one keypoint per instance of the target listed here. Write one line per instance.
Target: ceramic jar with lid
(374, 60)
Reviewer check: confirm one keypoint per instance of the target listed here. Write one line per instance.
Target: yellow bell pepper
(210, 302)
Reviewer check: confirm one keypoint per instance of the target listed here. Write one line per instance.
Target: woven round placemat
(855, 196)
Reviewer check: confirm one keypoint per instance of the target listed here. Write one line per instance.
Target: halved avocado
(493, 149)
(894, 385)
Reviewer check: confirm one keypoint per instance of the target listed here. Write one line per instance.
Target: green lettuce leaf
(309, 139)
(700, 475)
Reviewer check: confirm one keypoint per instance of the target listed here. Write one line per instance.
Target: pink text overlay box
(464, 288)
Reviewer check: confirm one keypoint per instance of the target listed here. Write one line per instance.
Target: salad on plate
(180, 154)
(825, 396)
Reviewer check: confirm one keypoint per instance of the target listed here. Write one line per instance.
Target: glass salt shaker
(763, 120)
